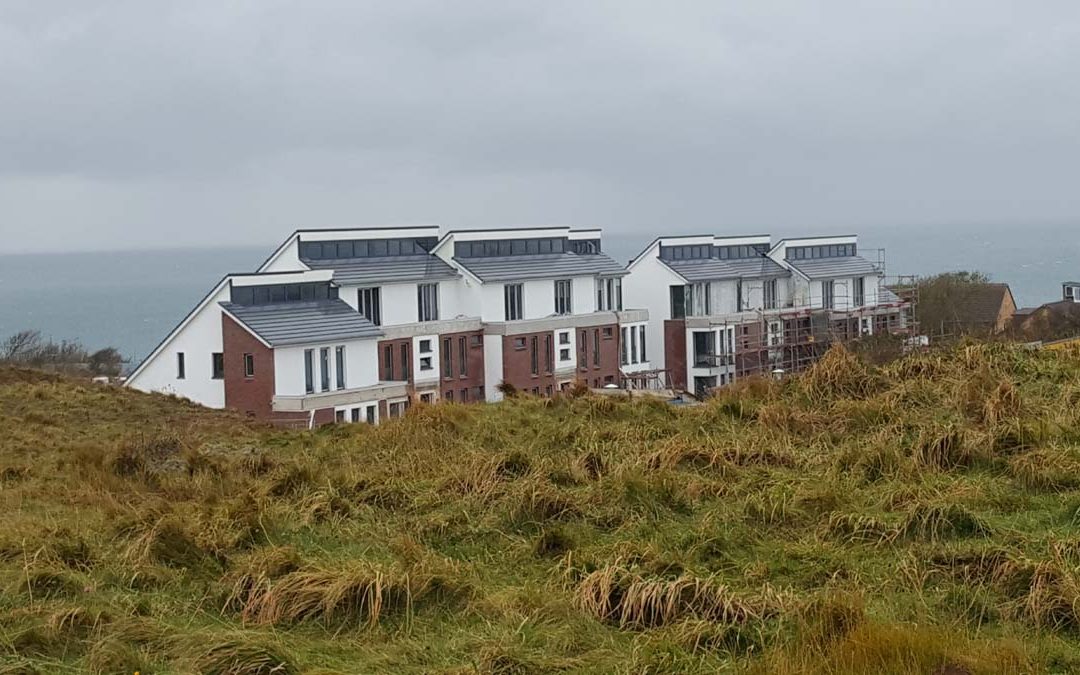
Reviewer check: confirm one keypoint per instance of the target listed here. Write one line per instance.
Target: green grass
(919, 517)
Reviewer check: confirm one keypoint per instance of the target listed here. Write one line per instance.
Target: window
(858, 293)
(427, 301)
(463, 358)
(633, 346)
(828, 294)
(740, 300)
(354, 415)
(339, 364)
(566, 351)
(700, 299)
(464, 395)
(426, 355)
(771, 288)
(815, 252)
(427, 397)
(476, 341)
(584, 362)
(217, 366)
(324, 369)
(641, 343)
(519, 343)
(249, 365)
(776, 333)
(180, 368)
(596, 347)
(704, 349)
(388, 362)
(309, 371)
(534, 357)
(397, 408)
(624, 358)
(609, 294)
(369, 303)
(278, 293)
(366, 248)
(678, 302)
(511, 247)
(549, 355)
(339, 416)
(1070, 292)
(512, 306)
(563, 304)
(371, 414)
(447, 355)
(404, 361)
(448, 395)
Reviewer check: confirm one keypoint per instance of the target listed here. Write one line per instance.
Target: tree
(106, 361)
(21, 346)
(943, 299)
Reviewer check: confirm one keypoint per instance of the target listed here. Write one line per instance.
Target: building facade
(356, 324)
(728, 307)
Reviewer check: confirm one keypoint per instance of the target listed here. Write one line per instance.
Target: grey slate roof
(300, 323)
(389, 270)
(541, 266)
(834, 268)
(714, 269)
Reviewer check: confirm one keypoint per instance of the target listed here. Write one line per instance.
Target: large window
(534, 357)
(324, 369)
(609, 294)
(309, 371)
(365, 248)
(217, 366)
(624, 347)
(641, 343)
(499, 248)
(339, 365)
(858, 293)
(404, 361)
(388, 362)
(563, 295)
(700, 299)
(771, 293)
(512, 302)
(678, 302)
(463, 357)
(815, 252)
(828, 294)
(633, 346)
(704, 349)
(427, 302)
(447, 357)
(596, 347)
(549, 354)
(279, 293)
(369, 303)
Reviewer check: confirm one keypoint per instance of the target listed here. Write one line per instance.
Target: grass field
(918, 518)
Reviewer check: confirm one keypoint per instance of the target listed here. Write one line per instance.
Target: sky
(129, 124)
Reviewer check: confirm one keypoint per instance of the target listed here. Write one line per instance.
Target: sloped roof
(387, 270)
(541, 266)
(833, 268)
(981, 304)
(299, 323)
(714, 269)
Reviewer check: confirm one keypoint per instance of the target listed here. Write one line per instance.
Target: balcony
(556, 322)
(340, 397)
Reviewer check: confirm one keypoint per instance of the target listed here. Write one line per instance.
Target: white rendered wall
(288, 260)
(420, 376)
(361, 367)
(198, 339)
(493, 367)
(647, 286)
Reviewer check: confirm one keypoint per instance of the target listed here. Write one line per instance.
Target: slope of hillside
(917, 518)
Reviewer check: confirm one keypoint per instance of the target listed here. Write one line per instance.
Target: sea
(132, 299)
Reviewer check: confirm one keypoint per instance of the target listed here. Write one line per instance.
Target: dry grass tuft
(941, 449)
(1046, 469)
(839, 374)
(617, 596)
(240, 656)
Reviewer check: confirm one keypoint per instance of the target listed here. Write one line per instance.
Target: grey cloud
(145, 123)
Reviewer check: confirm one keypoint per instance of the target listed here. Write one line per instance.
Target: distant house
(1053, 320)
(986, 307)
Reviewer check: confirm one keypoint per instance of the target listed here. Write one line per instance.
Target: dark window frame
(217, 366)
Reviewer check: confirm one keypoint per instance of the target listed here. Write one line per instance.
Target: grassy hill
(920, 518)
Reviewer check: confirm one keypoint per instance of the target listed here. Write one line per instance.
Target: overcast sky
(136, 123)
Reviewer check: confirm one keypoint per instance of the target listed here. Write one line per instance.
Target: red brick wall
(675, 351)
(468, 387)
(251, 395)
(517, 363)
(608, 369)
(396, 349)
